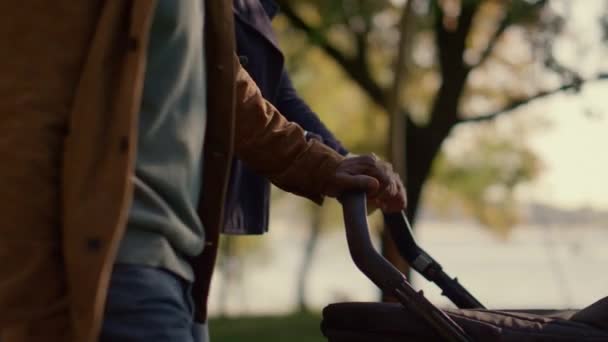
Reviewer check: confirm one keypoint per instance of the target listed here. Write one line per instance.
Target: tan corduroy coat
(98, 151)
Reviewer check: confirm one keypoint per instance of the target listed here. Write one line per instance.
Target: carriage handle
(385, 275)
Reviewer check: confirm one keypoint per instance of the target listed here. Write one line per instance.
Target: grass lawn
(301, 327)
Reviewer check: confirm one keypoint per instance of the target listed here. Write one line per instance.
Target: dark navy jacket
(248, 196)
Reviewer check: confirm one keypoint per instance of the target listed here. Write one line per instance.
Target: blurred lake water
(548, 266)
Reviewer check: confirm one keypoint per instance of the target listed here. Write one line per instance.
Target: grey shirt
(163, 227)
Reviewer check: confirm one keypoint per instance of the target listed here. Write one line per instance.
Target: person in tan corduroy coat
(71, 76)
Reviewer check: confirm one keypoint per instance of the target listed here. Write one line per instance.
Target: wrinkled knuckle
(368, 159)
(386, 176)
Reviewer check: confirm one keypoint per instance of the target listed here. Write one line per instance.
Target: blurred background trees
(466, 61)
(429, 66)
(399, 78)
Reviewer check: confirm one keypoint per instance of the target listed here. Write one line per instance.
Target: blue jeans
(149, 304)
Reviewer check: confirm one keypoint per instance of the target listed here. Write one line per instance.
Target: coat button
(124, 144)
(93, 244)
(220, 67)
(243, 60)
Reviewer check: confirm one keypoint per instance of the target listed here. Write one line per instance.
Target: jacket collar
(257, 14)
(271, 8)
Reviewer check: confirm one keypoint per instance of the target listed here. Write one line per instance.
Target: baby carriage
(415, 319)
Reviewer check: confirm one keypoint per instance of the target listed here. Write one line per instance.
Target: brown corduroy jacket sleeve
(277, 148)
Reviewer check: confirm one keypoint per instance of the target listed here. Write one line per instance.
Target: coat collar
(271, 8)
(257, 14)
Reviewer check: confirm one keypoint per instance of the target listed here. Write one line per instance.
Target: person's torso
(99, 152)
(163, 226)
(248, 197)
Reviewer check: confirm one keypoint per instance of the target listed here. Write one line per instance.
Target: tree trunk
(420, 153)
(422, 146)
(420, 156)
(305, 266)
(398, 120)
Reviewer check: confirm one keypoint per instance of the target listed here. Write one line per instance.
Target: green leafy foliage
(481, 179)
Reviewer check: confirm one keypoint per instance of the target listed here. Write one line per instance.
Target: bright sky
(573, 151)
(573, 147)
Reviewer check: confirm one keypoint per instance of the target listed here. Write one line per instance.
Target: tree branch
(518, 103)
(451, 45)
(451, 42)
(360, 73)
(502, 27)
(359, 34)
(362, 46)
